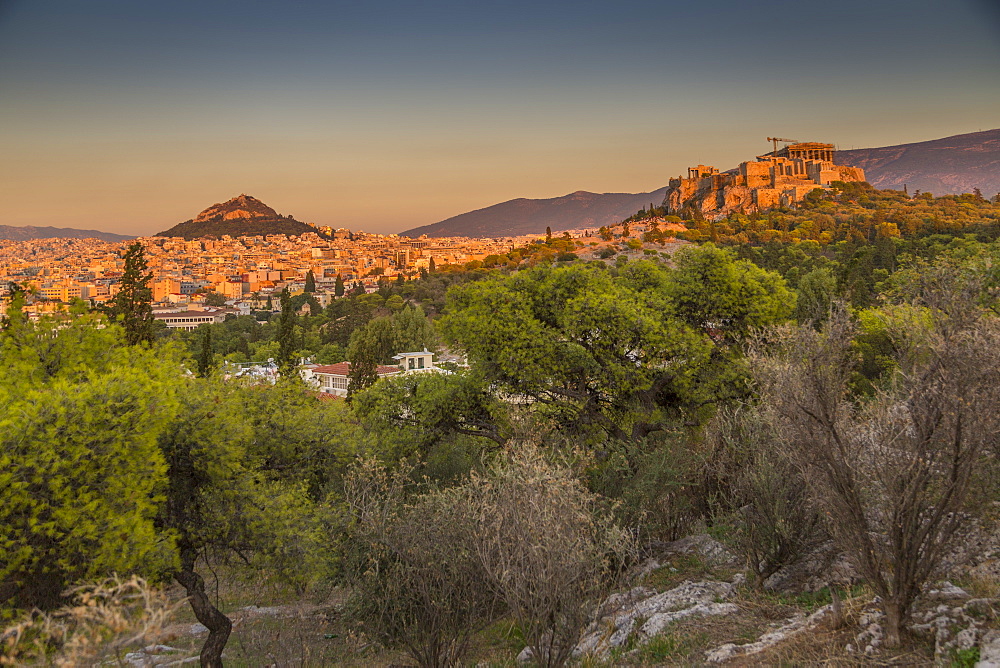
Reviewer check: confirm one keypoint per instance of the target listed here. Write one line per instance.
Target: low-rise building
(191, 319)
(418, 361)
(334, 378)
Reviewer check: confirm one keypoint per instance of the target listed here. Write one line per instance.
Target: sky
(130, 116)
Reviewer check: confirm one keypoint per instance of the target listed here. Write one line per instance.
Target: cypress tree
(205, 355)
(310, 282)
(133, 305)
(338, 287)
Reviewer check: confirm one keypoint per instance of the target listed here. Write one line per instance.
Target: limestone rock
(869, 640)
(526, 656)
(701, 545)
(243, 206)
(989, 650)
(647, 567)
(955, 621)
(621, 614)
(781, 178)
(158, 655)
(946, 591)
(662, 620)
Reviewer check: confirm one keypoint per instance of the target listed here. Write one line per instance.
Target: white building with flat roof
(418, 361)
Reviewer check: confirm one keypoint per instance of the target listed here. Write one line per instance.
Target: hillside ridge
(947, 166)
(577, 210)
(28, 232)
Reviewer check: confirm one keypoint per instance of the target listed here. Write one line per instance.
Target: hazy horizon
(131, 117)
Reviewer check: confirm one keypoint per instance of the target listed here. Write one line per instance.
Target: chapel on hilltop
(779, 178)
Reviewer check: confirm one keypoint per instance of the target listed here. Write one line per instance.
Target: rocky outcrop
(701, 545)
(243, 206)
(782, 178)
(241, 216)
(989, 650)
(641, 613)
(159, 655)
(946, 614)
(822, 566)
(955, 620)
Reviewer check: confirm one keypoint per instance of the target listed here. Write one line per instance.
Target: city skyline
(131, 118)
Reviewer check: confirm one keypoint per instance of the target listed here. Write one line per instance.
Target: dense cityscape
(186, 272)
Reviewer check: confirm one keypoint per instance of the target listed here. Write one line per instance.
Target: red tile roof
(344, 369)
(340, 369)
(188, 314)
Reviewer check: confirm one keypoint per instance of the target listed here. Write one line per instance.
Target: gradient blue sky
(130, 115)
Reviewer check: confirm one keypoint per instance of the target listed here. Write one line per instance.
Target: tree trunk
(838, 607)
(218, 624)
(893, 621)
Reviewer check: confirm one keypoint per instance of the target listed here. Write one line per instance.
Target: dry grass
(104, 621)
(827, 646)
(981, 583)
(275, 625)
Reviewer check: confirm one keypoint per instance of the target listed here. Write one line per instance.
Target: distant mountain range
(946, 166)
(241, 216)
(941, 166)
(531, 216)
(14, 233)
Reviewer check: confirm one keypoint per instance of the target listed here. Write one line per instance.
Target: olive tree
(892, 472)
(416, 579)
(523, 537)
(548, 547)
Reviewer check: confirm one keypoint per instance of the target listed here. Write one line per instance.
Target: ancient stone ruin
(780, 178)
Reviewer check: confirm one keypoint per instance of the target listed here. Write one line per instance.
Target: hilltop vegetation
(856, 212)
(857, 233)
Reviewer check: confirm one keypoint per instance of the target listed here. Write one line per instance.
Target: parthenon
(806, 151)
(778, 178)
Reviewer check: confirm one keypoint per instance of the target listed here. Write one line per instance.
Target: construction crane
(776, 140)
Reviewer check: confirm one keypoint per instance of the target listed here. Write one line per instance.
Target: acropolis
(779, 178)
